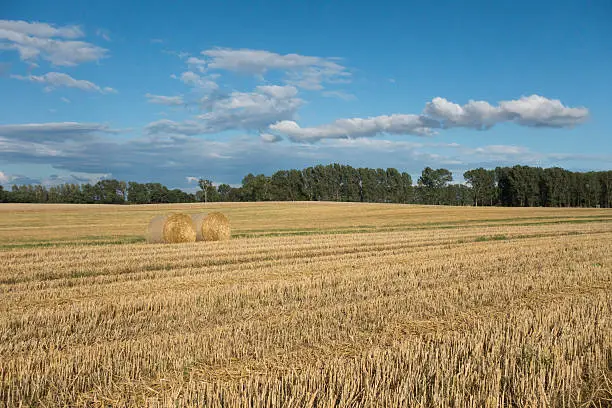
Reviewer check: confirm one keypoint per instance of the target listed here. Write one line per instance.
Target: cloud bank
(86, 149)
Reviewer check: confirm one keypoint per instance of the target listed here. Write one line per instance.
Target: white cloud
(64, 99)
(476, 114)
(197, 64)
(239, 110)
(357, 127)
(191, 179)
(501, 150)
(34, 40)
(4, 178)
(278, 92)
(253, 110)
(440, 113)
(537, 110)
(165, 100)
(201, 82)
(55, 80)
(270, 138)
(41, 29)
(303, 71)
(531, 110)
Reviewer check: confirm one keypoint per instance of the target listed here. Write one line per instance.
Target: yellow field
(310, 304)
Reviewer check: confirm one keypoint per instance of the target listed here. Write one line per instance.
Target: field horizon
(310, 304)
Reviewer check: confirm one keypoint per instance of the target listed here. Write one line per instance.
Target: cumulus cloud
(4, 178)
(358, 127)
(191, 179)
(440, 113)
(54, 44)
(165, 100)
(476, 114)
(239, 110)
(54, 80)
(538, 111)
(533, 110)
(303, 71)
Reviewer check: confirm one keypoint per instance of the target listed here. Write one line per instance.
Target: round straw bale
(198, 220)
(173, 228)
(216, 227)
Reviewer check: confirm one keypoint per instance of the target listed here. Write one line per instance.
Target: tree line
(518, 186)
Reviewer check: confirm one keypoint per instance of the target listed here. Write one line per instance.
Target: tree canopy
(506, 186)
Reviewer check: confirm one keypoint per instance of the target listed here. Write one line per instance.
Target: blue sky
(167, 91)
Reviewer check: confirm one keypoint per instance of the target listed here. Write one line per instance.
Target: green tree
(110, 191)
(208, 191)
(605, 180)
(224, 191)
(432, 182)
(138, 193)
(483, 185)
(256, 188)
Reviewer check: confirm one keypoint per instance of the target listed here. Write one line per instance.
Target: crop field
(308, 305)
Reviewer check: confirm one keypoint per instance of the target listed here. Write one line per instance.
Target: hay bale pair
(179, 228)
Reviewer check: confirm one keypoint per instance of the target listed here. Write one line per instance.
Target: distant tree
(605, 179)
(179, 196)
(208, 191)
(483, 185)
(509, 186)
(256, 188)
(432, 182)
(138, 193)
(224, 192)
(110, 191)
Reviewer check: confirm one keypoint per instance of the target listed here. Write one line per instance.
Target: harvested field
(309, 304)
